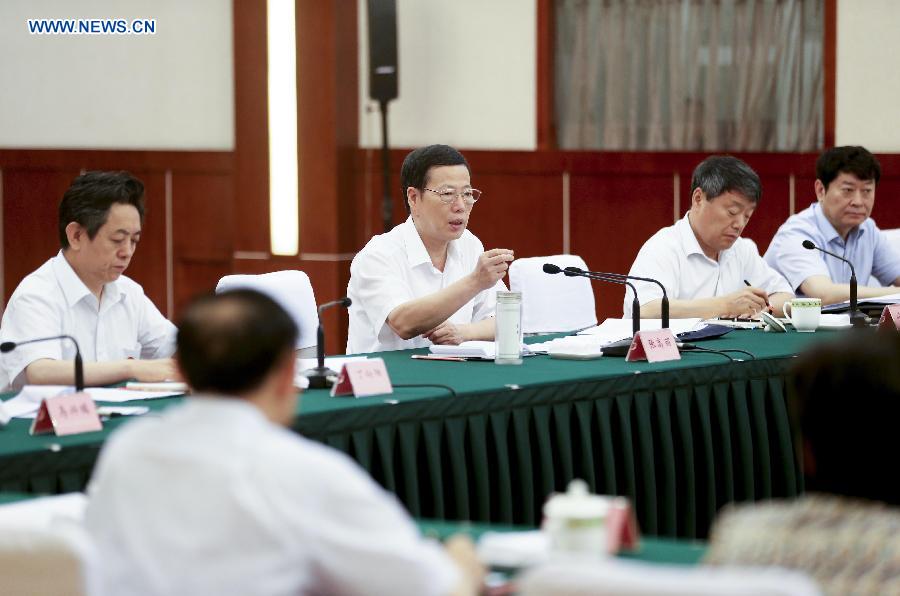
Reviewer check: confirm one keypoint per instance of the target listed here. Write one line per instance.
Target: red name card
(890, 318)
(66, 414)
(621, 527)
(362, 378)
(653, 346)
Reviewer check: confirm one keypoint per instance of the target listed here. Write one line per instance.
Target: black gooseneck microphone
(576, 272)
(857, 318)
(9, 346)
(320, 376)
(665, 298)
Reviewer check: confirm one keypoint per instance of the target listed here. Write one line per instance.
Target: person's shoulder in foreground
(82, 292)
(845, 533)
(840, 222)
(428, 280)
(708, 270)
(229, 500)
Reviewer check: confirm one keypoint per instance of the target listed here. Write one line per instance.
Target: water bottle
(508, 334)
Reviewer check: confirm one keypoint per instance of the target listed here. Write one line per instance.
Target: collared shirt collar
(828, 231)
(416, 253)
(74, 289)
(688, 238)
(691, 244)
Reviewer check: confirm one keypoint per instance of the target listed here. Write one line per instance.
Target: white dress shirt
(212, 498)
(54, 301)
(394, 268)
(674, 257)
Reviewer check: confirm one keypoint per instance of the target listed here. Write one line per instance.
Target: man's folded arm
(46, 371)
(821, 286)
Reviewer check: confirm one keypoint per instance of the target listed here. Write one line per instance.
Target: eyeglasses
(448, 195)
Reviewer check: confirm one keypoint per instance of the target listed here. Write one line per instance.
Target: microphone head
(572, 271)
(7, 346)
(551, 268)
(807, 244)
(345, 302)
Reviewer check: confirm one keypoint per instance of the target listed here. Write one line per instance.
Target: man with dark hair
(216, 496)
(845, 532)
(429, 280)
(839, 222)
(82, 292)
(702, 260)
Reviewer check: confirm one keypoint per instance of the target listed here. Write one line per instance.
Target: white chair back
(291, 289)
(552, 303)
(45, 550)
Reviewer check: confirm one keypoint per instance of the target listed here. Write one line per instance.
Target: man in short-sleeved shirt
(216, 496)
(838, 222)
(702, 260)
(429, 280)
(82, 292)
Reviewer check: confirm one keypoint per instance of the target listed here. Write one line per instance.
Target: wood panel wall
(208, 211)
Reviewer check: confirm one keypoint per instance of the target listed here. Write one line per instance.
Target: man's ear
(697, 196)
(76, 235)
(412, 197)
(820, 189)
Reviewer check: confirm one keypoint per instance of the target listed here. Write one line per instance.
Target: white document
(571, 344)
(161, 386)
(615, 329)
(119, 395)
(467, 349)
(27, 402)
(827, 321)
(513, 549)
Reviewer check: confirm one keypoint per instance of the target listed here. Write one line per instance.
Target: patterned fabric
(847, 546)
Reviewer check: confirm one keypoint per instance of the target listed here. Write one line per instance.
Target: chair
(291, 289)
(44, 549)
(552, 303)
(893, 238)
(630, 578)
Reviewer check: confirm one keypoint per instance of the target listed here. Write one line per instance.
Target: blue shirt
(866, 247)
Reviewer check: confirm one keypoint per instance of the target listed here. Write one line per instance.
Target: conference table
(487, 443)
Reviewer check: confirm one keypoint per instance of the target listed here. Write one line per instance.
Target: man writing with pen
(707, 268)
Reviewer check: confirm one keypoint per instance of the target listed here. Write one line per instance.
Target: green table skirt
(680, 446)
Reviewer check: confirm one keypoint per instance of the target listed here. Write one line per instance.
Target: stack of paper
(467, 349)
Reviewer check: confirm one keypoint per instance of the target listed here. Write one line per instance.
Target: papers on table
(867, 302)
(513, 549)
(28, 400)
(467, 349)
(615, 329)
(161, 386)
(827, 321)
(582, 345)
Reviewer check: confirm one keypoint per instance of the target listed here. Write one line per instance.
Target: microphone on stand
(9, 346)
(857, 318)
(576, 272)
(665, 298)
(321, 377)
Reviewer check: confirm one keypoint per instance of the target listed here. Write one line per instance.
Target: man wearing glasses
(429, 280)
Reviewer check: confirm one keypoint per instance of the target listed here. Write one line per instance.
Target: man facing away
(429, 280)
(82, 292)
(840, 222)
(216, 496)
(702, 260)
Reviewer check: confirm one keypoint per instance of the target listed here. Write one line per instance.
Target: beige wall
(171, 90)
(868, 74)
(467, 75)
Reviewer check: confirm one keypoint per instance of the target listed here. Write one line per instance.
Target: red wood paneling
(202, 216)
(30, 206)
(611, 218)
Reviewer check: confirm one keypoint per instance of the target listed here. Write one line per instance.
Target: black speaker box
(383, 50)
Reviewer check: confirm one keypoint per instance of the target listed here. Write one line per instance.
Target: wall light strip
(284, 218)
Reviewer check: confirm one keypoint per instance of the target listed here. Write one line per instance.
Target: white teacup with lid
(575, 521)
